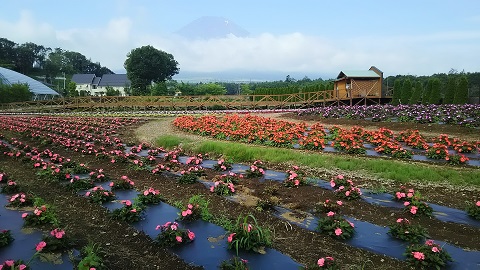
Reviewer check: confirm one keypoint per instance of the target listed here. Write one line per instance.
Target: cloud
(295, 52)
(26, 29)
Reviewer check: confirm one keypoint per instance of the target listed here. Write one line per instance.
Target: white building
(97, 86)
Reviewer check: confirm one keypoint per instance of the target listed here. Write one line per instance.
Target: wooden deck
(170, 103)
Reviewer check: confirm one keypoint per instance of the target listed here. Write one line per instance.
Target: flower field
(125, 204)
(407, 144)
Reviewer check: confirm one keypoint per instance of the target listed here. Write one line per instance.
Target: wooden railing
(91, 103)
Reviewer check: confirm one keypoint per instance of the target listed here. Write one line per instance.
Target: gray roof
(83, 78)
(96, 80)
(119, 80)
(358, 74)
(37, 88)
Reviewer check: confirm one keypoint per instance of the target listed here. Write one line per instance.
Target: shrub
(129, 212)
(5, 238)
(427, 256)
(235, 263)
(246, 234)
(172, 235)
(187, 178)
(404, 230)
(150, 196)
(122, 184)
(222, 188)
(336, 226)
(197, 208)
(294, 178)
(257, 169)
(473, 209)
(10, 188)
(57, 241)
(92, 258)
(100, 195)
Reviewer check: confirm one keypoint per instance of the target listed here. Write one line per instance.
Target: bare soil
(127, 248)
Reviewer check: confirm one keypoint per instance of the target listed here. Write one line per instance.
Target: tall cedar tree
(417, 93)
(435, 95)
(406, 91)
(461, 95)
(450, 91)
(397, 90)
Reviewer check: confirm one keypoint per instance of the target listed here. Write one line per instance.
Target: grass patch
(171, 141)
(400, 172)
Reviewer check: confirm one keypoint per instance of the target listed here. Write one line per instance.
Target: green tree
(450, 90)
(417, 93)
(110, 91)
(71, 89)
(427, 92)
(435, 95)
(406, 91)
(209, 89)
(146, 64)
(187, 89)
(14, 93)
(245, 89)
(8, 53)
(159, 89)
(397, 92)
(461, 95)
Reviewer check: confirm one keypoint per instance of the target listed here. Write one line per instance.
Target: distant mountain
(209, 27)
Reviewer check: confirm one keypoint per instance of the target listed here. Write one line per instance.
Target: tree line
(39, 61)
(451, 88)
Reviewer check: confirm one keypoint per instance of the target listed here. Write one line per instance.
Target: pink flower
(418, 255)
(145, 193)
(340, 203)
(435, 249)
(189, 206)
(321, 262)
(128, 202)
(429, 242)
(340, 176)
(330, 214)
(351, 224)
(332, 183)
(406, 203)
(338, 231)
(40, 246)
(478, 204)
(22, 267)
(134, 210)
(179, 239)
(399, 220)
(9, 262)
(230, 237)
(191, 235)
(158, 227)
(111, 184)
(87, 194)
(413, 210)
(347, 193)
(24, 215)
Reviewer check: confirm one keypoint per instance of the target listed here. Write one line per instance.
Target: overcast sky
(417, 37)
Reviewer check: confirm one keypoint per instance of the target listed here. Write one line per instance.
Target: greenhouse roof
(10, 77)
